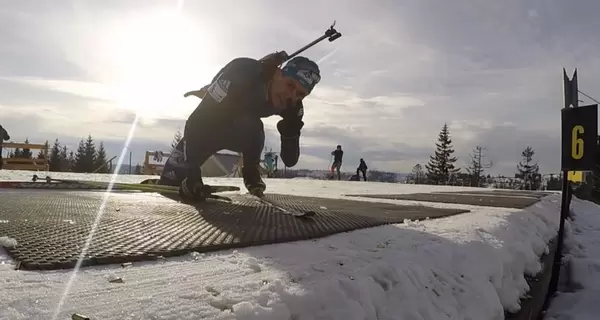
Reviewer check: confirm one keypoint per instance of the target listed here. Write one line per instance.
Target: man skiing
(4, 136)
(229, 117)
(362, 167)
(337, 154)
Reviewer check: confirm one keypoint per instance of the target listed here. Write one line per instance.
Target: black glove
(290, 141)
(289, 129)
(192, 190)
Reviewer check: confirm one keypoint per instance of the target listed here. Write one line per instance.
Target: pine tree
(43, 154)
(65, 165)
(26, 153)
(79, 165)
(100, 159)
(176, 138)
(138, 169)
(90, 154)
(440, 168)
(17, 153)
(55, 160)
(528, 171)
(477, 167)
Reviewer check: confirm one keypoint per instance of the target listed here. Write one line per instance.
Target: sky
(491, 70)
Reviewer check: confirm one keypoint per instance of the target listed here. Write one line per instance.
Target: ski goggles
(307, 77)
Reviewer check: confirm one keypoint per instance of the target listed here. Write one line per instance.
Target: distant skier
(229, 117)
(4, 137)
(337, 154)
(362, 167)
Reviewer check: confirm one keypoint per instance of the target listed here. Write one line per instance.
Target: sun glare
(155, 57)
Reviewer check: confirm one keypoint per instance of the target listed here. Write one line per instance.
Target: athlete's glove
(289, 131)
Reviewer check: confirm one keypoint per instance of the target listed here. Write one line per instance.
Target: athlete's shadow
(216, 224)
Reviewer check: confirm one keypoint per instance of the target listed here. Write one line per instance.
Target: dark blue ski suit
(229, 117)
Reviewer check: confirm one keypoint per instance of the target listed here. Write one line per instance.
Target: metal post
(570, 100)
(130, 161)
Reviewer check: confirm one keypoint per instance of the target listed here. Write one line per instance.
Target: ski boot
(193, 190)
(253, 181)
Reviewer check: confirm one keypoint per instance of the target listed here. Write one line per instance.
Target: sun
(155, 57)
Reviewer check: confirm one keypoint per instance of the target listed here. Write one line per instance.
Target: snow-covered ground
(579, 293)
(469, 266)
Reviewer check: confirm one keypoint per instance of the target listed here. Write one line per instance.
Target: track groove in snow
(469, 266)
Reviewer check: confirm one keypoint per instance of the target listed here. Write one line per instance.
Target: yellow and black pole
(579, 126)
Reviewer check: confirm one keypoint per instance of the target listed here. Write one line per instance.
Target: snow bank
(580, 289)
(469, 266)
(6, 242)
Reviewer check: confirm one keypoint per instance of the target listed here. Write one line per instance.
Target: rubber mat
(488, 199)
(51, 227)
(509, 193)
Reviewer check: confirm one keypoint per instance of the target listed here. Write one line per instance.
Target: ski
(46, 185)
(277, 206)
(148, 185)
(213, 188)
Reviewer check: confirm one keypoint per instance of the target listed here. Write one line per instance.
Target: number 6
(576, 142)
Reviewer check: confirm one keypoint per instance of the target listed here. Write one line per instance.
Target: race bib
(218, 90)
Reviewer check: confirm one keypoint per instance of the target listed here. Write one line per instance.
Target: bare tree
(418, 174)
(477, 166)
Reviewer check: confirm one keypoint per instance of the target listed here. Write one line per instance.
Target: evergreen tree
(138, 169)
(176, 138)
(26, 153)
(100, 159)
(90, 155)
(55, 160)
(440, 168)
(65, 165)
(529, 171)
(43, 154)
(17, 153)
(79, 159)
(477, 167)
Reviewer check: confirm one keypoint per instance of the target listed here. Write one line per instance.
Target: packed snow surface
(579, 292)
(469, 266)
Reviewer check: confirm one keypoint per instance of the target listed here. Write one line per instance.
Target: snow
(580, 284)
(469, 266)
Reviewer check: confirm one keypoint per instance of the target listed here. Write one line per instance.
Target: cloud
(490, 70)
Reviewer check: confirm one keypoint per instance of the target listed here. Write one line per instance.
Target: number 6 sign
(579, 138)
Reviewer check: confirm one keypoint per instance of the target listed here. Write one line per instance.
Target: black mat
(51, 227)
(489, 199)
(510, 193)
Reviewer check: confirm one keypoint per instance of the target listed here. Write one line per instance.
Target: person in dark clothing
(337, 154)
(229, 117)
(4, 136)
(362, 167)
